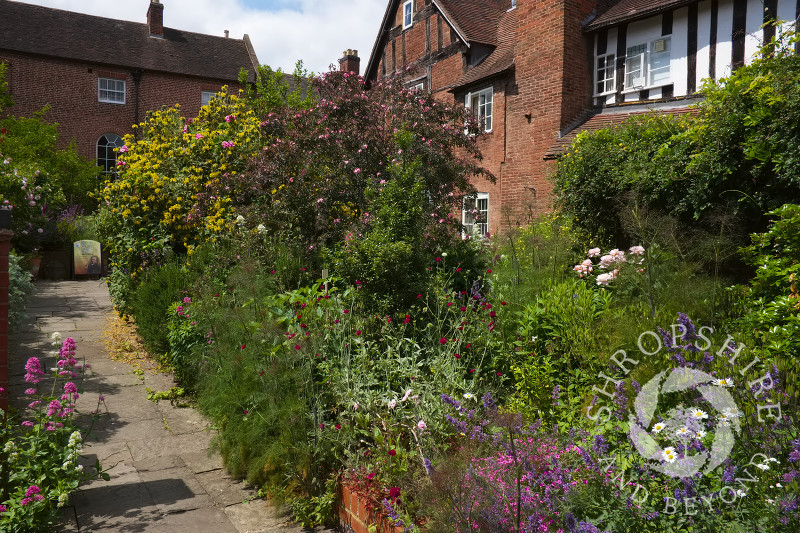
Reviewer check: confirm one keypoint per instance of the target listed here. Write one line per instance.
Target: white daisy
(468, 396)
(723, 382)
(683, 432)
(657, 428)
(763, 466)
(669, 454)
(700, 434)
(699, 414)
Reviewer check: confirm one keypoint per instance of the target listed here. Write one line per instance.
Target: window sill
(109, 102)
(647, 88)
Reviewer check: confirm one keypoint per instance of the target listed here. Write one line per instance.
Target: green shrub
(19, 287)
(162, 286)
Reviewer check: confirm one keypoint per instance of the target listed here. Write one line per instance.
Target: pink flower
(30, 391)
(70, 388)
(198, 135)
(230, 118)
(123, 149)
(27, 423)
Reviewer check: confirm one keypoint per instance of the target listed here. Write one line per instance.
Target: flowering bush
(39, 467)
(173, 187)
(609, 265)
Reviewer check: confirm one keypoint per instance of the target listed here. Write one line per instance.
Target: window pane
(659, 64)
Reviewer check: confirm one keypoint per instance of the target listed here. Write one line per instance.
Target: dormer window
(408, 13)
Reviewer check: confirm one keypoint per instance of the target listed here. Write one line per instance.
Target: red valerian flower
(443, 340)
(338, 426)
(358, 333)
(394, 493)
(392, 453)
(457, 355)
(407, 319)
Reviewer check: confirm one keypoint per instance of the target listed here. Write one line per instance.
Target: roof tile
(57, 33)
(626, 10)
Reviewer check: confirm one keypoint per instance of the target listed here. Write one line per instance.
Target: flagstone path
(163, 477)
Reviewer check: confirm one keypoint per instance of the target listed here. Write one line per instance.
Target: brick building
(99, 76)
(535, 72)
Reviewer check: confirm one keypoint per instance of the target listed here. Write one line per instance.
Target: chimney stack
(155, 18)
(350, 62)
(226, 34)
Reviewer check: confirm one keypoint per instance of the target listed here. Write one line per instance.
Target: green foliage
(185, 340)
(5, 94)
(389, 254)
(770, 305)
(737, 158)
(275, 90)
(19, 287)
(151, 303)
(33, 141)
(559, 343)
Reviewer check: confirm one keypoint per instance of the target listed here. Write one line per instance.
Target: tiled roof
(627, 10)
(476, 20)
(610, 118)
(64, 34)
(502, 58)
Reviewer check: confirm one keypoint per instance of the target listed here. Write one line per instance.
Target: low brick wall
(355, 515)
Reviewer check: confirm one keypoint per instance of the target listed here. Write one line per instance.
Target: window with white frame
(420, 86)
(475, 215)
(206, 97)
(606, 74)
(648, 64)
(106, 156)
(111, 91)
(408, 13)
(480, 104)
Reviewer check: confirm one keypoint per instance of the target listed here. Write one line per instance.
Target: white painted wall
(646, 30)
(703, 43)
(753, 40)
(724, 44)
(680, 56)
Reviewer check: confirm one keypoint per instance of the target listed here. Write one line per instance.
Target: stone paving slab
(164, 479)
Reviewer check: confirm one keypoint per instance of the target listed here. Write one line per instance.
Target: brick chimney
(350, 62)
(155, 18)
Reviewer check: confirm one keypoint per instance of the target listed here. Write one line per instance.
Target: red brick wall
(551, 88)
(70, 89)
(548, 90)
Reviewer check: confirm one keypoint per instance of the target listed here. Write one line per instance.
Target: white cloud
(316, 31)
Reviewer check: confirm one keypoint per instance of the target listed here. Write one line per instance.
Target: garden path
(163, 477)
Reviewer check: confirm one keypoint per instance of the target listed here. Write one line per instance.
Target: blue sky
(282, 31)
